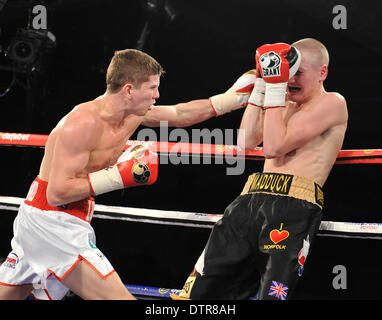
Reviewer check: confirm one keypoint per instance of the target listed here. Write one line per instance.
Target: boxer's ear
(323, 72)
(126, 90)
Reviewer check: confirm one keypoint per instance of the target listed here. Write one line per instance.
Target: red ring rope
(344, 156)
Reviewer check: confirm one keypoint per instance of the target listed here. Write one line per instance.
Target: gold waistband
(285, 185)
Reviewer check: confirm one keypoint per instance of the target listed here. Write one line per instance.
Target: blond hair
(130, 65)
(318, 52)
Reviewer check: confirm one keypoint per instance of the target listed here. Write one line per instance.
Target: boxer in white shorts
(43, 259)
(53, 248)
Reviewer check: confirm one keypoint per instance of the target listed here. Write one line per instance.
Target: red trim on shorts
(15, 285)
(36, 197)
(74, 264)
(100, 274)
(47, 293)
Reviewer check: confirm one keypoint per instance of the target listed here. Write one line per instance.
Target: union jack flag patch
(278, 290)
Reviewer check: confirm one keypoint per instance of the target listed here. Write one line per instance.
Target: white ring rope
(359, 230)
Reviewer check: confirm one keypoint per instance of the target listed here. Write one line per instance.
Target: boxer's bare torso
(106, 142)
(315, 158)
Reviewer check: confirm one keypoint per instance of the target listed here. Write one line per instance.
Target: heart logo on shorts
(278, 235)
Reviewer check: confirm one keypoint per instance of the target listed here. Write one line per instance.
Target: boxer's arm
(251, 133)
(251, 126)
(179, 115)
(280, 137)
(190, 113)
(77, 137)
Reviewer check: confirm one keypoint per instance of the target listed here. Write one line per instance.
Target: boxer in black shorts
(261, 243)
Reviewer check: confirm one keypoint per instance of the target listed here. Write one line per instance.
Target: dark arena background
(204, 46)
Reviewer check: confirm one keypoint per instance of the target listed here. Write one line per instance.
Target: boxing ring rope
(196, 219)
(367, 156)
(205, 220)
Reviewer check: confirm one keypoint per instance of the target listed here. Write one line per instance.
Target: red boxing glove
(278, 63)
(135, 167)
(138, 166)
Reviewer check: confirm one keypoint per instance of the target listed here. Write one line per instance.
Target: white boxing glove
(235, 97)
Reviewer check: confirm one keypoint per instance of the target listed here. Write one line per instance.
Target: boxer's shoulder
(333, 97)
(333, 102)
(81, 125)
(86, 115)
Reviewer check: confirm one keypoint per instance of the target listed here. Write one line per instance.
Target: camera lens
(23, 50)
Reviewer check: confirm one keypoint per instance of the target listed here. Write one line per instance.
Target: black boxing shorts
(261, 243)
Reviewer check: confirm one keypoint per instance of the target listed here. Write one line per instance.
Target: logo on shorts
(270, 63)
(11, 261)
(278, 290)
(91, 244)
(271, 182)
(319, 195)
(100, 255)
(276, 236)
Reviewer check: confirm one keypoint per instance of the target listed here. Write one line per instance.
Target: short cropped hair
(130, 65)
(317, 49)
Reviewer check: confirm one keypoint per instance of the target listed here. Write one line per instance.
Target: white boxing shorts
(49, 242)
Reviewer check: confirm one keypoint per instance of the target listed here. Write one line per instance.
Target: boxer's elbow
(271, 152)
(54, 197)
(269, 155)
(243, 146)
(275, 148)
(54, 201)
(277, 151)
(248, 143)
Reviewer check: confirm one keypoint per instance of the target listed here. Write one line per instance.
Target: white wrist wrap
(258, 94)
(236, 96)
(105, 180)
(275, 94)
(225, 102)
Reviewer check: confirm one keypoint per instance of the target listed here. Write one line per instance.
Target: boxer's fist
(278, 63)
(135, 167)
(235, 97)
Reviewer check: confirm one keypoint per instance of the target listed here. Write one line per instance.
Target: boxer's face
(307, 80)
(299, 85)
(144, 96)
